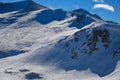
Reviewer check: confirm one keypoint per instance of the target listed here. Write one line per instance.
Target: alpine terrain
(39, 43)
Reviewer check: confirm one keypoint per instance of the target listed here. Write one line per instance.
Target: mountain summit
(27, 5)
(32, 6)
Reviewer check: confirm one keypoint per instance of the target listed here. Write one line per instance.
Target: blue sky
(107, 9)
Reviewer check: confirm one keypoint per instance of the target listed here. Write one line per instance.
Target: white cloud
(104, 6)
(98, 0)
(76, 6)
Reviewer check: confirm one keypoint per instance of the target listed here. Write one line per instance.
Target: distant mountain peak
(26, 5)
(83, 11)
(32, 6)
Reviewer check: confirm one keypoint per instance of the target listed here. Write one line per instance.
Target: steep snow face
(27, 6)
(94, 47)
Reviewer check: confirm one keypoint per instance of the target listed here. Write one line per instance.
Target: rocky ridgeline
(102, 36)
(91, 43)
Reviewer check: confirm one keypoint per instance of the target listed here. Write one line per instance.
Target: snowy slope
(45, 44)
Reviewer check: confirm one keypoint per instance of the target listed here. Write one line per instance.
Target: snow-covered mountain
(40, 43)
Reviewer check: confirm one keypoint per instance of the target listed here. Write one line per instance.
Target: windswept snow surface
(54, 46)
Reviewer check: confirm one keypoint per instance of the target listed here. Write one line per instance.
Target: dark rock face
(89, 45)
(82, 19)
(98, 35)
(24, 70)
(33, 75)
(117, 53)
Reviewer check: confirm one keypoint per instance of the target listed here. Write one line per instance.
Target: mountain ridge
(26, 5)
